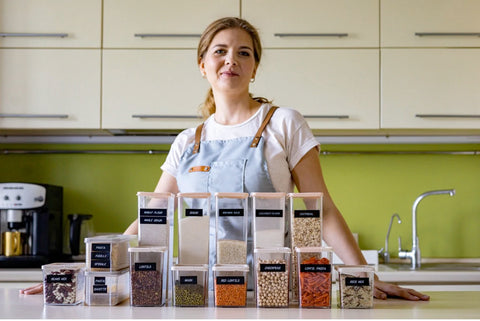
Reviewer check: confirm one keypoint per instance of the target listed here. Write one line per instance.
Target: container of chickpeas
(355, 286)
(272, 277)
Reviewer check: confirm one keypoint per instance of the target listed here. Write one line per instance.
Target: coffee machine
(30, 224)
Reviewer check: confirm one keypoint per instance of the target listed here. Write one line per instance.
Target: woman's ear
(201, 67)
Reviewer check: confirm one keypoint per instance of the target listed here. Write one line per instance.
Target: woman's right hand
(34, 289)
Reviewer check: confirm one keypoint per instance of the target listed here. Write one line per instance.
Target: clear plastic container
(230, 288)
(108, 252)
(63, 283)
(268, 219)
(106, 288)
(231, 227)
(148, 275)
(193, 228)
(272, 276)
(356, 286)
(190, 285)
(314, 266)
(155, 218)
(306, 227)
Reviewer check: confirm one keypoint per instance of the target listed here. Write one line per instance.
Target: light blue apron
(226, 166)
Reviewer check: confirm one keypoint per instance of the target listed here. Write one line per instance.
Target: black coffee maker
(30, 224)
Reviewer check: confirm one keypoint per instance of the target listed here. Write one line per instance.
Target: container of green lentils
(63, 283)
(190, 285)
(355, 286)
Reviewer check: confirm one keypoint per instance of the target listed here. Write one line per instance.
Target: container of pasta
(231, 227)
(108, 252)
(190, 285)
(106, 288)
(230, 288)
(356, 286)
(268, 219)
(314, 266)
(63, 283)
(272, 276)
(148, 275)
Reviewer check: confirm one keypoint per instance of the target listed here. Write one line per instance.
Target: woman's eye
(219, 51)
(244, 53)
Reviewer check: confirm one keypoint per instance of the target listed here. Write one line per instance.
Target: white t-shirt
(287, 139)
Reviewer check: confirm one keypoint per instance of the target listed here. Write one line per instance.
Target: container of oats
(306, 227)
(106, 288)
(63, 283)
(314, 266)
(355, 286)
(231, 227)
(268, 219)
(230, 285)
(272, 276)
(190, 285)
(108, 253)
(148, 271)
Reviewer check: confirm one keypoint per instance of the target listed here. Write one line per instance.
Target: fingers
(379, 294)
(36, 289)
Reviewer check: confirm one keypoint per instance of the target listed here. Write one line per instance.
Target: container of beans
(272, 272)
(230, 288)
(231, 227)
(190, 285)
(106, 288)
(356, 286)
(148, 283)
(63, 283)
(268, 219)
(108, 252)
(193, 228)
(314, 266)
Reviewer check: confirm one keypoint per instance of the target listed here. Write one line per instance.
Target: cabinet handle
(327, 116)
(454, 34)
(54, 35)
(167, 35)
(33, 116)
(166, 116)
(446, 116)
(310, 35)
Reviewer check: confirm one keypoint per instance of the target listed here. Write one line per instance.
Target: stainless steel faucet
(384, 251)
(414, 254)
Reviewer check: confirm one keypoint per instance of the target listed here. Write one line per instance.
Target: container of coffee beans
(190, 285)
(106, 288)
(63, 283)
(355, 286)
(108, 252)
(230, 285)
(148, 282)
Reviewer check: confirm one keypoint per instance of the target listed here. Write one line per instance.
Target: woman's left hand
(384, 290)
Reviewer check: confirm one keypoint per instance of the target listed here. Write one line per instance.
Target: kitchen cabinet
(430, 64)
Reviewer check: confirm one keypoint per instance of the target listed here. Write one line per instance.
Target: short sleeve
(300, 141)
(177, 149)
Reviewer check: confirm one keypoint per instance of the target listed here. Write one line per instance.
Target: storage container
(305, 210)
(63, 283)
(268, 219)
(231, 227)
(314, 266)
(190, 285)
(193, 228)
(148, 275)
(106, 288)
(272, 276)
(155, 218)
(230, 288)
(356, 286)
(108, 252)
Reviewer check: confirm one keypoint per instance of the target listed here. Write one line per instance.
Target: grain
(189, 295)
(359, 296)
(231, 252)
(63, 287)
(272, 287)
(146, 287)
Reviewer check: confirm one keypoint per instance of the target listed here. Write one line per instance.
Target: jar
(230, 288)
(106, 288)
(190, 287)
(356, 286)
(108, 252)
(63, 283)
(268, 219)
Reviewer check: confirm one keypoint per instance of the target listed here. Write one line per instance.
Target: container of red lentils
(230, 285)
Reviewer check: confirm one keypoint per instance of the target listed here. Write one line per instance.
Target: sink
(437, 266)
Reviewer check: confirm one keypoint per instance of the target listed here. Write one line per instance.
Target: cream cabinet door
(314, 23)
(430, 88)
(161, 23)
(151, 89)
(50, 88)
(333, 89)
(50, 23)
(430, 23)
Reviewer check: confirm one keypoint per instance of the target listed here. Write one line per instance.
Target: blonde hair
(208, 106)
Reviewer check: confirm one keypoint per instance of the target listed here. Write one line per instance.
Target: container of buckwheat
(355, 286)
(63, 283)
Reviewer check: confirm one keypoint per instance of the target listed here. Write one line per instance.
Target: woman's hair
(208, 106)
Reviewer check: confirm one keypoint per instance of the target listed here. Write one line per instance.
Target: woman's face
(229, 62)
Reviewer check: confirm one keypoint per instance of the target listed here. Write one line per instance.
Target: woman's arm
(308, 177)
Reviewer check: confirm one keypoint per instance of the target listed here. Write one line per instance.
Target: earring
(252, 80)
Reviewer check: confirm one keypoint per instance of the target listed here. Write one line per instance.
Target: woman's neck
(232, 111)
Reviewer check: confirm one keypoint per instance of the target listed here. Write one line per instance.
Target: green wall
(367, 187)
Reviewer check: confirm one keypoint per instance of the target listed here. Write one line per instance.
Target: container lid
(231, 195)
(148, 249)
(272, 250)
(355, 268)
(190, 267)
(107, 273)
(156, 195)
(268, 195)
(66, 265)
(111, 238)
(311, 249)
(194, 195)
(304, 195)
(231, 267)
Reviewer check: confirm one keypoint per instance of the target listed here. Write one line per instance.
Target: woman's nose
(230, 60)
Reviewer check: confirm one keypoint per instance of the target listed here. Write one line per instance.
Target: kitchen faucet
(384, 251)
(414, 254)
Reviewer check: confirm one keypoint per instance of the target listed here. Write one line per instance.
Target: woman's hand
(384, 290)
(35, 289)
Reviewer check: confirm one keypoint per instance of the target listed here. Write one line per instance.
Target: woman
(245, 145)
